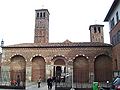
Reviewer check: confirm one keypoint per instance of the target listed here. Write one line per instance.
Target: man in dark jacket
(49, 83)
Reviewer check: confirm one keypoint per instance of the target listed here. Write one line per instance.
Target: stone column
(48, 67)
(91, 70)
(5, 74)
(28, 73)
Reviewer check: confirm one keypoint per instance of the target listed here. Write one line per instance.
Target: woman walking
(39, 82)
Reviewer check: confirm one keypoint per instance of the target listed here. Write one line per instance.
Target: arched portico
(103, 68)
(38, 68)
(80, 69)
(18, 68)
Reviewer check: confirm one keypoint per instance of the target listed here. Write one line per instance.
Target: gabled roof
(59, 45)
(111, 10)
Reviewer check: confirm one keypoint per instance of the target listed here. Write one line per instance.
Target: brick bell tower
(96, 33)
(41, 34)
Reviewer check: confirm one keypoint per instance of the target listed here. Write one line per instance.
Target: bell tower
(41, 34)
(96, 33)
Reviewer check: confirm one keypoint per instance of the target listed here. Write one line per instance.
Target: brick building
(41, 58)
(113, 17)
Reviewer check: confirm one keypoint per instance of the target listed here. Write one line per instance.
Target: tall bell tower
(41, 34)
(96, 33)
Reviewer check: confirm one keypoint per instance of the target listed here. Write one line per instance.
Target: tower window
(117, 17)
(40, 14)
(99, 30)
(44, 14)
(37, 15)
(101, 37)
(95, 30)
(118, 36)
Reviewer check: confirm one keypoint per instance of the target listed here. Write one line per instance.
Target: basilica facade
(84, 60)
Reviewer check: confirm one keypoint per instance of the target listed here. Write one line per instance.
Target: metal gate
(63, 83)
(78, 81)
(8, 79)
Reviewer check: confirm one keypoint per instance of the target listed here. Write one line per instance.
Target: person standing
(18, 80)
(39, 82)
(49, 83)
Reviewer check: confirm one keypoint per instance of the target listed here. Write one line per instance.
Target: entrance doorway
(58, 71)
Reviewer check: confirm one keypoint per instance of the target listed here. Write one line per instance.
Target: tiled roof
(95, 26)
(49, 45)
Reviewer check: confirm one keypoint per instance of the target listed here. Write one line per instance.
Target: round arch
(59, 68)
(103, 63)
(80, 69)
(38, 68)
(18, 68)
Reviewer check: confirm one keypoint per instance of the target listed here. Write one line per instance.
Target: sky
(69, 19)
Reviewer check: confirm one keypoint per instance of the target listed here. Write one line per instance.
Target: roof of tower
(95, 25)
(111, 10)
(42, 10)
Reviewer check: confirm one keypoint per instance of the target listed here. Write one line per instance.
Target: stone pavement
(34, 87)
(43, 87)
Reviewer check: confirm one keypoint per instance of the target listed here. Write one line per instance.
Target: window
(40, 14)
(113, 40)
(117, 17)
(44, 14)
(95, 30)
(112, 22)
(101, 37)
(118, 36)
(37, 15)
(116, 66)
(99, 30)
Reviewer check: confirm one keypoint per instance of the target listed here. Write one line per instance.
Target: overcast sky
(69, 19)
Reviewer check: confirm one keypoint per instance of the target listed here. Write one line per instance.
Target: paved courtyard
(43, 87)
(34, 87)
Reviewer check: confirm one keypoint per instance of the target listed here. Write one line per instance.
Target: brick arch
(100, 54)
(59, 60)
(18, 67)
(103, 63)
(80, 69)
(38, 68)
(59, 66)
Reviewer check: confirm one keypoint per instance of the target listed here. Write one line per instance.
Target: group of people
(16, 82)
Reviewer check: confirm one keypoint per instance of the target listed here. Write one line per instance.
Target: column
(91, 70)
(5, 72)
(28, 73)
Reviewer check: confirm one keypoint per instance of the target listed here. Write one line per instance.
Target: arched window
(44, 14)
(99, 30)
(37, 15)
(95, 30)
(41, 15)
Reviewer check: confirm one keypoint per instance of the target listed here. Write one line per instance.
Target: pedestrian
(13, 82)
(49, 83)
(18, 80)
(59, 79)
(39, 82)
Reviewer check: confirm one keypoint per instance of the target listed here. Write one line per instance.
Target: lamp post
(107, 83)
